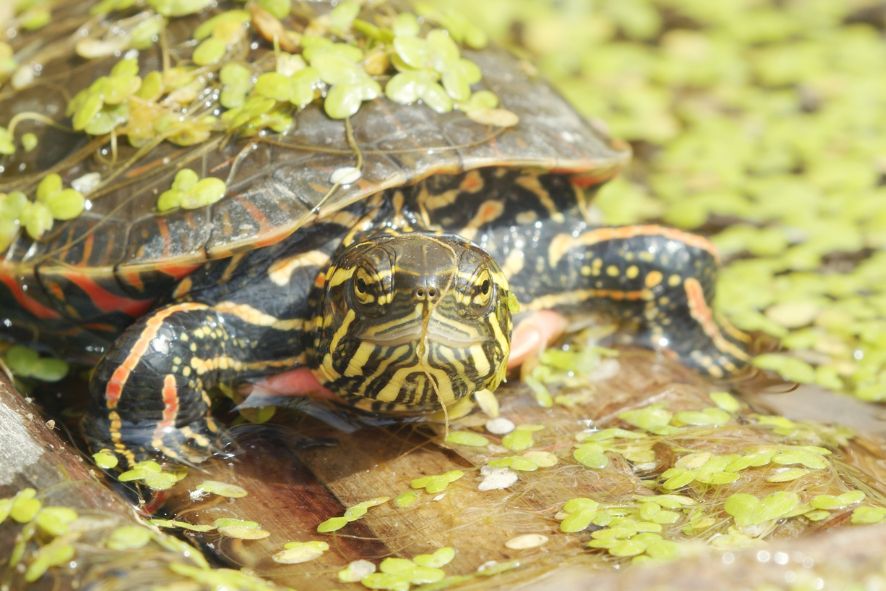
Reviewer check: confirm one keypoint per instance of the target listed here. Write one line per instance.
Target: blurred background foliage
(759, 122)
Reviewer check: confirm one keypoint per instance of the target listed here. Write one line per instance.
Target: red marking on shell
(132, 278)
(101, 327)
(27, 302)
(106, 301)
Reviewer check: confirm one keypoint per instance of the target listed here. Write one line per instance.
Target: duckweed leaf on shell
(37, 219)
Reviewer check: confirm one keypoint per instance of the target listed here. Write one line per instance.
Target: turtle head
(412, 323)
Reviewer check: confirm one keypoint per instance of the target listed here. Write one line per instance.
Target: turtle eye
(362, 286)
(481, 288)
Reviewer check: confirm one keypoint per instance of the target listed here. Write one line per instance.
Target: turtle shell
(111, 264)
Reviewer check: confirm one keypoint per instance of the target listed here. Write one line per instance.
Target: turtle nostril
(432, 292)
(420, 292)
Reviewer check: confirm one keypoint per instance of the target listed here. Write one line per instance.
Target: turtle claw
(192, 444)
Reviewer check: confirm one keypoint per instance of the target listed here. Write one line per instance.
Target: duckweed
(356, 571)
(406, 499)
(350, 515)
(521, 437)
(241, 529)
(105, 459)
(468, 438)
(726, 401)
(152, 475)
(189, 191)
(530, 461)
(24, 362)
(128, 537)
(400, 573)
(222, 489)
(178, 524)
(865, 515)
(298, 552)
(748, 510)
(592, 455)
(438, 482)
(799, 267)
(653, 418)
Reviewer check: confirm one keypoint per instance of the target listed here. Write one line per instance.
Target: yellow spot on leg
(653, 278)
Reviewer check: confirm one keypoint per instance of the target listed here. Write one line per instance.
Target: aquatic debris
(526, 541)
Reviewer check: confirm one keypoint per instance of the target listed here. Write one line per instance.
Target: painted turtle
(396, 287)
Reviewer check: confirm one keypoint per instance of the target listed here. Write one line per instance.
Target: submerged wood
(848, 558)
(299, 472)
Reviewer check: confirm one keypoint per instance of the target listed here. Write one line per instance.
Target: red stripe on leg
(118, 380)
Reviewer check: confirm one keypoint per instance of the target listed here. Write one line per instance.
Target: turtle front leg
(657, 281)
(150, 392)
